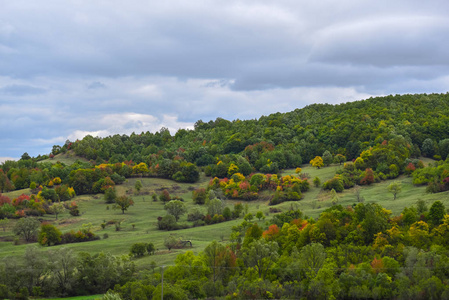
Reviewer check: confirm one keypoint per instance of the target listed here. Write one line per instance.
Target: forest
(250, 179)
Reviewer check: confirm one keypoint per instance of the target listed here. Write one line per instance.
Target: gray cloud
(67, 68)
(21, 90)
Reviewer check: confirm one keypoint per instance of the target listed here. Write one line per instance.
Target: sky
(72, 68)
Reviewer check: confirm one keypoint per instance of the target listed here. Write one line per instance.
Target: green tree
(62, 265)
(327, 158)
(175, 208)
(215, 207)
(138, 249)
(428, 147)
(339, 159)
(219, 259)
(110, 195)
(138, 186)
(27, 228)
(123, 203)
(57, 209)
(260, 215)
(395, 188)
(312, 257)
(436, 213)
(260, 255)
(316, 182)
(171, 241)
(199, 196)
(49, 235)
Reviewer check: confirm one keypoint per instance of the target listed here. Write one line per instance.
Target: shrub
(167, 222)
(199, 196)
(49, 235)
(138, 249)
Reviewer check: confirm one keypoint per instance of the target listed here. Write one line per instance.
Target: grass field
(138, 224)
(67, 158)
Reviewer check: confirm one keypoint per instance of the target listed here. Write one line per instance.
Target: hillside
(326, 171)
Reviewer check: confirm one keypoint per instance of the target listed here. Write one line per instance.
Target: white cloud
(3, 159)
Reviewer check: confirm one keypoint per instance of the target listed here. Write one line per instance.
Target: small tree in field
(170, 242)
(317, 162)
(316, 182)
(138, 249)
(165, 196)
(57, 209)
(49, 235)
(27, 228)
(199, 196)
(110, 195)
(395, 188)
(260, 215)
(138, 186)
(175, 208)
(123, 202)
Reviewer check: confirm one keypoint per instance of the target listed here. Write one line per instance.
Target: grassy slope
(67, 158)
(144, 214)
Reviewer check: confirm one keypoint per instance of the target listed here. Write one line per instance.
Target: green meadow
(139, 222)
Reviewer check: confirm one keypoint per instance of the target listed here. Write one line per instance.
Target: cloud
(3, 159)
(100, 68)
(21, 90)
(96, 85)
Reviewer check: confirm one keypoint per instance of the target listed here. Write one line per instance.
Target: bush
(195, 215)
(138, 249)
(165, 196)
(49, 235)
(199, 196)
(167, 222)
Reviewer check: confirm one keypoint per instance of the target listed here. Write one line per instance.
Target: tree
(123, 202)
(138, 249)
(317, 162)
(167, 222)
(27, 228)
(165, 196)
(138, 186)
(312, 259)
(150, 248)
(49, 235)
(110, 195)
(171, 241)
(220, 259)
(62, 265)
(261, 255)
(199, 196)
(25, 156)
(215, 207)
(260, 215)
(316, 181)
(175, 208)
(327, 158)
(57, 209)
(436, 212)
(339, 159)
(428, 147)
(395, 188)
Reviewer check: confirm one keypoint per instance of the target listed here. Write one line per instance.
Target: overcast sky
(71, 68)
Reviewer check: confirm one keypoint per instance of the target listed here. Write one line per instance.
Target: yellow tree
(317, 162)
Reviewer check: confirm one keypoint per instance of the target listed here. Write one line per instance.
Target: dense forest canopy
(346, 128)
